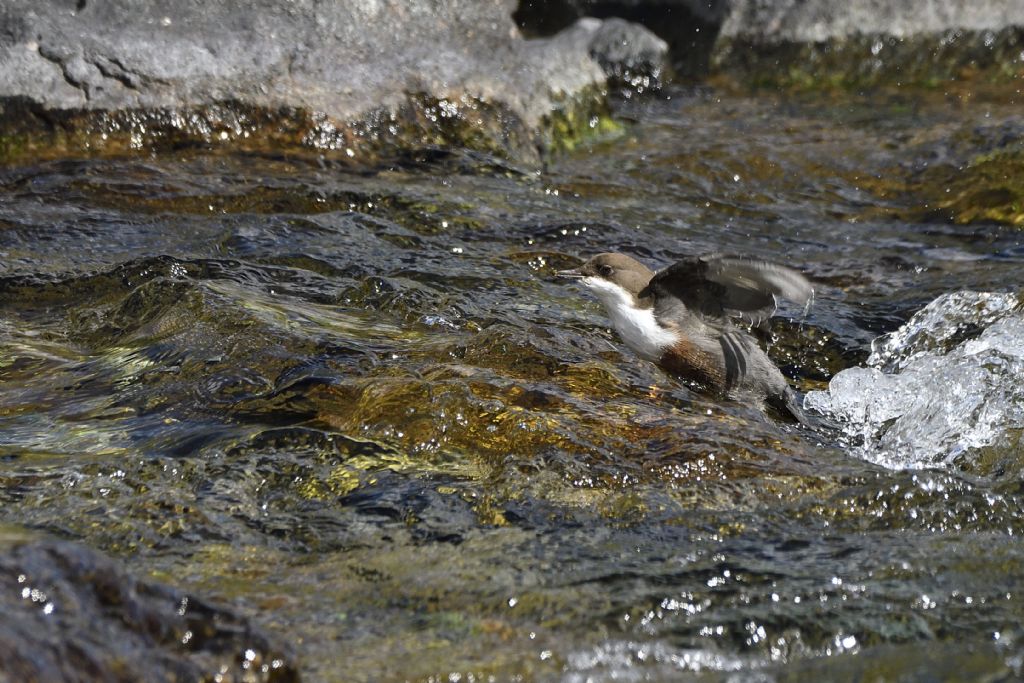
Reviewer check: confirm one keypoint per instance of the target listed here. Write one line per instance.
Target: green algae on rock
(469, 122)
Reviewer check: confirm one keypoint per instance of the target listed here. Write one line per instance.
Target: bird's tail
(791, 403)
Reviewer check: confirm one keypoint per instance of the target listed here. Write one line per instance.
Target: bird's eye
(605, 270)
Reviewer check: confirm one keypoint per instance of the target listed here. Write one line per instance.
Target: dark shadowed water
(358, 406)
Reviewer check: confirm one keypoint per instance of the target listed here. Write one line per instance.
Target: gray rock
(688, 26)
(634, 59)
(773, 21)
(726, 36)
(868, 43)
(71, 614)
(344, 60)
(705, 11)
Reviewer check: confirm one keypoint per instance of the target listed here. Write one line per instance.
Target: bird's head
(618, 269)
(612, 275)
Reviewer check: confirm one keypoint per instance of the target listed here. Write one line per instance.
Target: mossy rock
(29, 133)
(873, 60)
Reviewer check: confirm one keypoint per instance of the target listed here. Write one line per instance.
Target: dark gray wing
(735, 351)
(721, 285)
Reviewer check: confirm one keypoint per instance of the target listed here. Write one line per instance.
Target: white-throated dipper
(680, 316)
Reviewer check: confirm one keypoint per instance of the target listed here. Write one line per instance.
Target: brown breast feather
(685, 360)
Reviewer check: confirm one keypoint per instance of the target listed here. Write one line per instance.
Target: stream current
(356, 404)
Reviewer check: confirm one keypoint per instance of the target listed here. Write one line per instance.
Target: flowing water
(355, 404)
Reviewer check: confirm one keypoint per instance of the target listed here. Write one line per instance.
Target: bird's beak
(573, 273)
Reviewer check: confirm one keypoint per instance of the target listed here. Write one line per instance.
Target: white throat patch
(637, 326)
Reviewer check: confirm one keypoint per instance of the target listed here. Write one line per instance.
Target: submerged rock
(943, 386)
(71, 614)
(973, 175)
(347, 76)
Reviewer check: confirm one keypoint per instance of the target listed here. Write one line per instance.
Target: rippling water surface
(357, 404)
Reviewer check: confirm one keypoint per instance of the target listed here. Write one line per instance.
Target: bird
(681, 318)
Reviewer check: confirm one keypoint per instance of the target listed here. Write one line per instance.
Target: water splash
(945, 384)
(940, 326)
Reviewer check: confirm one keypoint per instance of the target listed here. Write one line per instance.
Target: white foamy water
(949, 381)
